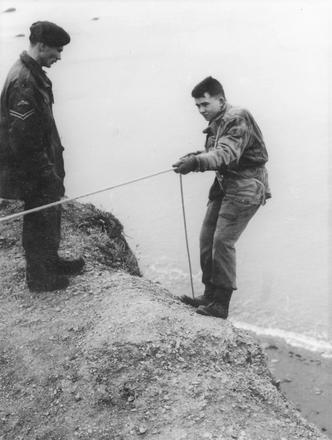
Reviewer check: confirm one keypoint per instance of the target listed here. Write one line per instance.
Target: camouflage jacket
(31, 154)
(235, 149)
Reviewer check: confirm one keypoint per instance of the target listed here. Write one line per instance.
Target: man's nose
(58, 57)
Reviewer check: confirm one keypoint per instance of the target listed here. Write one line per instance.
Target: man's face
(209, 106)
(49, 55)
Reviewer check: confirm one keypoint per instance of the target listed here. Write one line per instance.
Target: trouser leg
(218, 252)
(206, 240)
(233, 217)
(41, 238)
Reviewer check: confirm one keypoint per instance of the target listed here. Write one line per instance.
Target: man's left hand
(186, 165)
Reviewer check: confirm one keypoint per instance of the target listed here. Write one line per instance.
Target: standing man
(31, 156)
(235, 150)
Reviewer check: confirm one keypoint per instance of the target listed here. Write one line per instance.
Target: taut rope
(81, 196)
(109, 188)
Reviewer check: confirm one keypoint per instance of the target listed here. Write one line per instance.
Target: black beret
(48, 33)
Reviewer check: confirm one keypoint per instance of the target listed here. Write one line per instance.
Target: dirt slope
(115, 356)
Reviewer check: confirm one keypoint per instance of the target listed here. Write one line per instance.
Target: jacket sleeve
(229, 147)
(194, 153)
(27, 129)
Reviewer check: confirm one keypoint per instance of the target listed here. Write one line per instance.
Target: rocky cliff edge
(115, 356)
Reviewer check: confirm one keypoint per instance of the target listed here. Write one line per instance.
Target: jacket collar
(38, 73)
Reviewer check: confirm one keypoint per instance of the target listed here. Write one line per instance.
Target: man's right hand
(186, 165)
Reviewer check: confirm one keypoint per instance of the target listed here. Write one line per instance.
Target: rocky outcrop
(115, 356)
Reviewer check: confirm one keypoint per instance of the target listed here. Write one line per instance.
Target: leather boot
(201, 300)
(54, 282)
(219, 307)
(69, 267)
(39, 276)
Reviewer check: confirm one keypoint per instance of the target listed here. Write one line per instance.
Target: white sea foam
(323, 347)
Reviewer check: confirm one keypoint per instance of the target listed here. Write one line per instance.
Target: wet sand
(305, 378)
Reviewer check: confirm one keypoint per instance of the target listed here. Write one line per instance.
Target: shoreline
(299, 341)
(304, 377)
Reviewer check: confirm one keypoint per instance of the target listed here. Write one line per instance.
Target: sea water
(124, 110)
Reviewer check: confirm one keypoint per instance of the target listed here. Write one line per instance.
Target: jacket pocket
(237, 211)
(246, 191)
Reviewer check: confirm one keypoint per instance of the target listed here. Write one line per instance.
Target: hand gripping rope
(71, 199)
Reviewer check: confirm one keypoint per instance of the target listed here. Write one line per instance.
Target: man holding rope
(31, 157)
(235, 149)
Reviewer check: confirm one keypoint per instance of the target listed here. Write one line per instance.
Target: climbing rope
(109, 188)
(81, 196)
(186, 236)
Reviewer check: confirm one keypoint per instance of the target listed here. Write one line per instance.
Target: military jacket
(31, 154)
(235, 149)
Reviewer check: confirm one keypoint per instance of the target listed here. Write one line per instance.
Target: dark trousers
(41, 237)
(224, 222)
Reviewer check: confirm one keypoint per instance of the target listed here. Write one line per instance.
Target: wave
(323, 347)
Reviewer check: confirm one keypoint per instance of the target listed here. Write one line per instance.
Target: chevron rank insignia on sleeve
(22, 116)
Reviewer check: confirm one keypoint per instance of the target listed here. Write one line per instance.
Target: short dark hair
(48, 33)
(209, 85)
